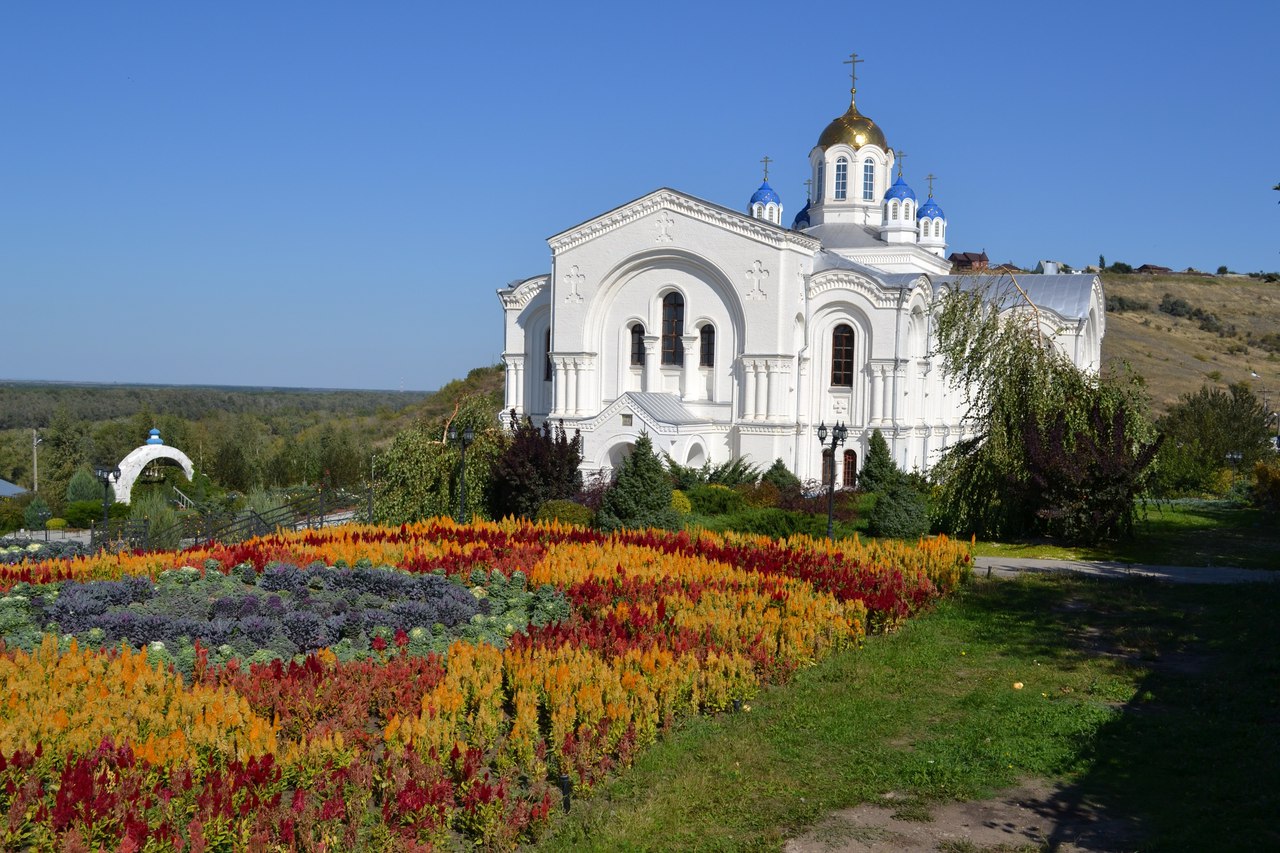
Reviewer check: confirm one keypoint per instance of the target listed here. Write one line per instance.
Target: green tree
(1056, 450)
(781, 477)
(641, 494)
(1201, 430)
(83, 486)
(878, 470)
(36, 514)
(418, 476)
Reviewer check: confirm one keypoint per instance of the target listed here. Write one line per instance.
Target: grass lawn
(1154, 701)
(1175, 533)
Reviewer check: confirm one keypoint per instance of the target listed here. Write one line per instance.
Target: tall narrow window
(637, 345)
(547, 368)
(842, 179)
(828, 460)
(868, 181)
(842, 356)
(707, 347)
(893, 210)
(906, 210)
(822, 181)
(849, 471)
(672, 329)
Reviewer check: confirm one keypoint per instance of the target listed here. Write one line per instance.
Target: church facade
(726, 334)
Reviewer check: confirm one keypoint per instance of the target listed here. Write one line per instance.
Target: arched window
(548, 369)
(822, 181)
(893, 210)
(868, 180)
(906, 210)
(756, 210)
(770, 210)
(827, 458)
(707, 346)
(849, 471)
(842, 356)
(672, 329)
(842, 179)
(637, 344)
(924, 228)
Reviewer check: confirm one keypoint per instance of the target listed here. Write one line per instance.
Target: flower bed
(496, 659)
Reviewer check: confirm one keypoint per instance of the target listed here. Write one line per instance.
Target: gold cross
(765, 159)
(901, 155)
(808, 188)
(852, 62)
(931, 178)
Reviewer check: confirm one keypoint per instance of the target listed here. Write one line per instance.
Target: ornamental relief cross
(573, 280)
(756, 275)
(663, 224)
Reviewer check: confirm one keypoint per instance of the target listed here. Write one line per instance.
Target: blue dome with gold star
(930, 210)
(900, 191)
(764, 195)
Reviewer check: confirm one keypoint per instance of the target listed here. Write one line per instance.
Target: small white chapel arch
(133, 464)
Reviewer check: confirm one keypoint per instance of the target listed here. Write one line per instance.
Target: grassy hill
(1234, 328)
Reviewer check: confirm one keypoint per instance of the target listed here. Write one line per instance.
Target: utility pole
(35, 461)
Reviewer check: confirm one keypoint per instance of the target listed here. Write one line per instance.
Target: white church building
(728, 334)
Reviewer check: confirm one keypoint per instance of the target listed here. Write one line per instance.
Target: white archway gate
(133, 464)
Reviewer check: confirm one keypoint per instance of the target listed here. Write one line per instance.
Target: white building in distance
(726, 334)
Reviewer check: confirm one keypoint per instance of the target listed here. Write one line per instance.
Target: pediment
(658, 206)
(519, 294)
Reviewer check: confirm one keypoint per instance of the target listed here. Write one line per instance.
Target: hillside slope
(1177, 355)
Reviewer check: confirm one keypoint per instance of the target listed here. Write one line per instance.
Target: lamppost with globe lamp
(463, 439)
(839, 433)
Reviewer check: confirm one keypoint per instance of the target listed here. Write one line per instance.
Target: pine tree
(641, 494)
(878, 471)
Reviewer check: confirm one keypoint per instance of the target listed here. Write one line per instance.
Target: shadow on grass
(1189, 762)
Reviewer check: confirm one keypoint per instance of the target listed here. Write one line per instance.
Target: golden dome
(853, 129)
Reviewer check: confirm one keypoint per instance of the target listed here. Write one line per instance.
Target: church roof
(1065, 295)
(930, 209)
(665, 408)
(847, 235)
(764, 195)
(852, 129)
(899, 190)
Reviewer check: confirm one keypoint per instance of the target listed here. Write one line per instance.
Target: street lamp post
(35, 461)
(464, 440)
(106, 476)
(839, 433)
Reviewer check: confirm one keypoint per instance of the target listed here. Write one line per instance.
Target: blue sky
(328, 194)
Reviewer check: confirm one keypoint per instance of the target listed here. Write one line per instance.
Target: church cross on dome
(900, 155)
(852, 62)
(931, 177)
(766, 160)
(808, 188)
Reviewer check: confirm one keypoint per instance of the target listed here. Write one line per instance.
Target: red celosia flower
(379, 644)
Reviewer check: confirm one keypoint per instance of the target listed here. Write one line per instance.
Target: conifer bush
(641, 495)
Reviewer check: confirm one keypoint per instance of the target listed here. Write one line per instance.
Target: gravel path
(1007, 567)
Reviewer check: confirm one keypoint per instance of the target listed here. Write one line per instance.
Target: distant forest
(30, 404)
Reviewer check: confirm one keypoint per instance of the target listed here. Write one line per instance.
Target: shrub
(760, 494)
(900, 512)
(56, 524)
(714, 499)
(641, 494)
(538, 465)
(781, 477)
(81, 514)
(1266, 487)
(569, 512)
(680, 502)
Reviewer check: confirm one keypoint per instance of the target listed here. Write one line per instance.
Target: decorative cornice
(823, 282)
(665, 199)
(519, 295)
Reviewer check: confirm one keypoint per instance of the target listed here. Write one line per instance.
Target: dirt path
(1033, 817)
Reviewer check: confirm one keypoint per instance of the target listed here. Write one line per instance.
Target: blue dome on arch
(802, 218)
